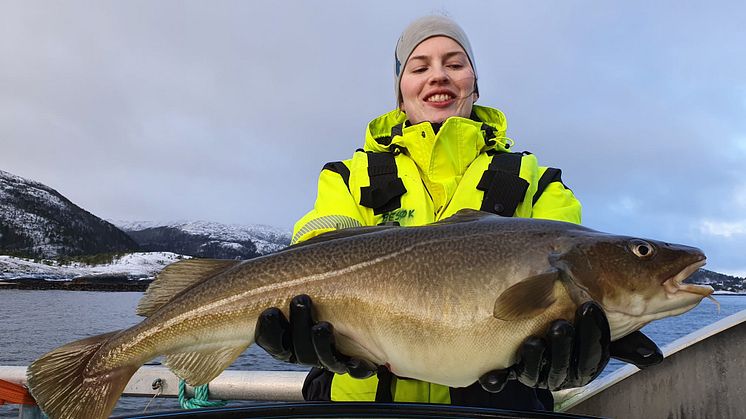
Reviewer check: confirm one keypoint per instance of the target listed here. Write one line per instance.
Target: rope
(158, 386)
(200, 398)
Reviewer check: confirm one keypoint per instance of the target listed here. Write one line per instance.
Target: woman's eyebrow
(427, 57)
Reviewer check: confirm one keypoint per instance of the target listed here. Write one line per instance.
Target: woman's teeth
(439, 98)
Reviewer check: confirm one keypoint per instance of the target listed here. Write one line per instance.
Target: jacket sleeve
(557, 202)
(335, 208)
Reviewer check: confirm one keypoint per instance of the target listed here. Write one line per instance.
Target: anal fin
(197, 368)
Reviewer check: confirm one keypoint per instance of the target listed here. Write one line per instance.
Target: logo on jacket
(398, 215)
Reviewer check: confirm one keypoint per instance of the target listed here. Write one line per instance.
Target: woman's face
(437, 82)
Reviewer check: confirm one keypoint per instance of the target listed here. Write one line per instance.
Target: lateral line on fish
(313, 278)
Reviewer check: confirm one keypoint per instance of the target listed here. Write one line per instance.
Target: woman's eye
(419, 70)
(455, 66)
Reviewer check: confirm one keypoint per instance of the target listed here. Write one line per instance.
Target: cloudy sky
(226, 111)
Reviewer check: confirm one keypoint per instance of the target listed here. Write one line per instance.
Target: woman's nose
(439, 75)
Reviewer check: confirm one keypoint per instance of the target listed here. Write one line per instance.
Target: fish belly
(438, 349)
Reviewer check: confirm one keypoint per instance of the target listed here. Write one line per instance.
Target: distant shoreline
(110, 284)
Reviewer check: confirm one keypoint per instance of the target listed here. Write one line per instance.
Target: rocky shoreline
(112, 284)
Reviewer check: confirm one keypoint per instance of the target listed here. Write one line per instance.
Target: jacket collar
(458, 142)
(379, 135)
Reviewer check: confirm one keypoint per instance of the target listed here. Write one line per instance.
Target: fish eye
(642, 249)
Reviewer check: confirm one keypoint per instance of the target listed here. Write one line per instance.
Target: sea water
(35, 322)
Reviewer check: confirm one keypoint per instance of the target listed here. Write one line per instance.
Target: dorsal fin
(177, 277)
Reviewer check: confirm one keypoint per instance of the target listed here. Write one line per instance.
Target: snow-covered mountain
(207, 239)
(37, 221)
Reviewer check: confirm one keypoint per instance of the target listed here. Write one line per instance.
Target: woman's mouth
(440, 99)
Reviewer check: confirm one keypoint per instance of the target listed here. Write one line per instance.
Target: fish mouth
(675, 283)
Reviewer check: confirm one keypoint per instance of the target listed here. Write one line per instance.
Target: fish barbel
(443, 303)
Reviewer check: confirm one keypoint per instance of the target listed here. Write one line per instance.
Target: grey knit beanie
(420, 30)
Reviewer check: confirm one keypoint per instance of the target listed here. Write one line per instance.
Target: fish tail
(62, 388)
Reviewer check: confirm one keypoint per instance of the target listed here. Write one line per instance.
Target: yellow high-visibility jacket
(430, 176)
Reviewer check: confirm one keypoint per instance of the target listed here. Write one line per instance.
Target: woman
(438, 153)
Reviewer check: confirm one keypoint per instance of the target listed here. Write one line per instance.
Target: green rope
(200, 398)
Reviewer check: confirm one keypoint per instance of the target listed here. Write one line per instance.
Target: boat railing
(152, 380)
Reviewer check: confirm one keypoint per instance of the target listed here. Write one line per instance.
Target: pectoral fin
(527, 298)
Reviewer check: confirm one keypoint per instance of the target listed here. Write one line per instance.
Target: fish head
(635, 280)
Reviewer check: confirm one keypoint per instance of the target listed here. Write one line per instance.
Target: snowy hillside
(207, 239)
(133, 266)
(37, 221)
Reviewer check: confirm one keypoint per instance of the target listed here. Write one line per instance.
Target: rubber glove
(572, 355)
(302, 340)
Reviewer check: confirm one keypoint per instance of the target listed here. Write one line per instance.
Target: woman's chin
(435, 118)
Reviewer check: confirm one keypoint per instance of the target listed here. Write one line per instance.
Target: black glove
(573, 355)
(302, 340)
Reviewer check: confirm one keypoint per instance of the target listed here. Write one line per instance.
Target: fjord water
(35, 322)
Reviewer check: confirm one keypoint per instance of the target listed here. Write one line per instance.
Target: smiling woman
(434, 155)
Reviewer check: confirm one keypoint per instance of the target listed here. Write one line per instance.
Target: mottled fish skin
(424, 300)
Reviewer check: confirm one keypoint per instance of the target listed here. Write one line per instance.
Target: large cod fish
(443, 303)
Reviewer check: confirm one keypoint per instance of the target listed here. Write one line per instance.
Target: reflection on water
(35, 322)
